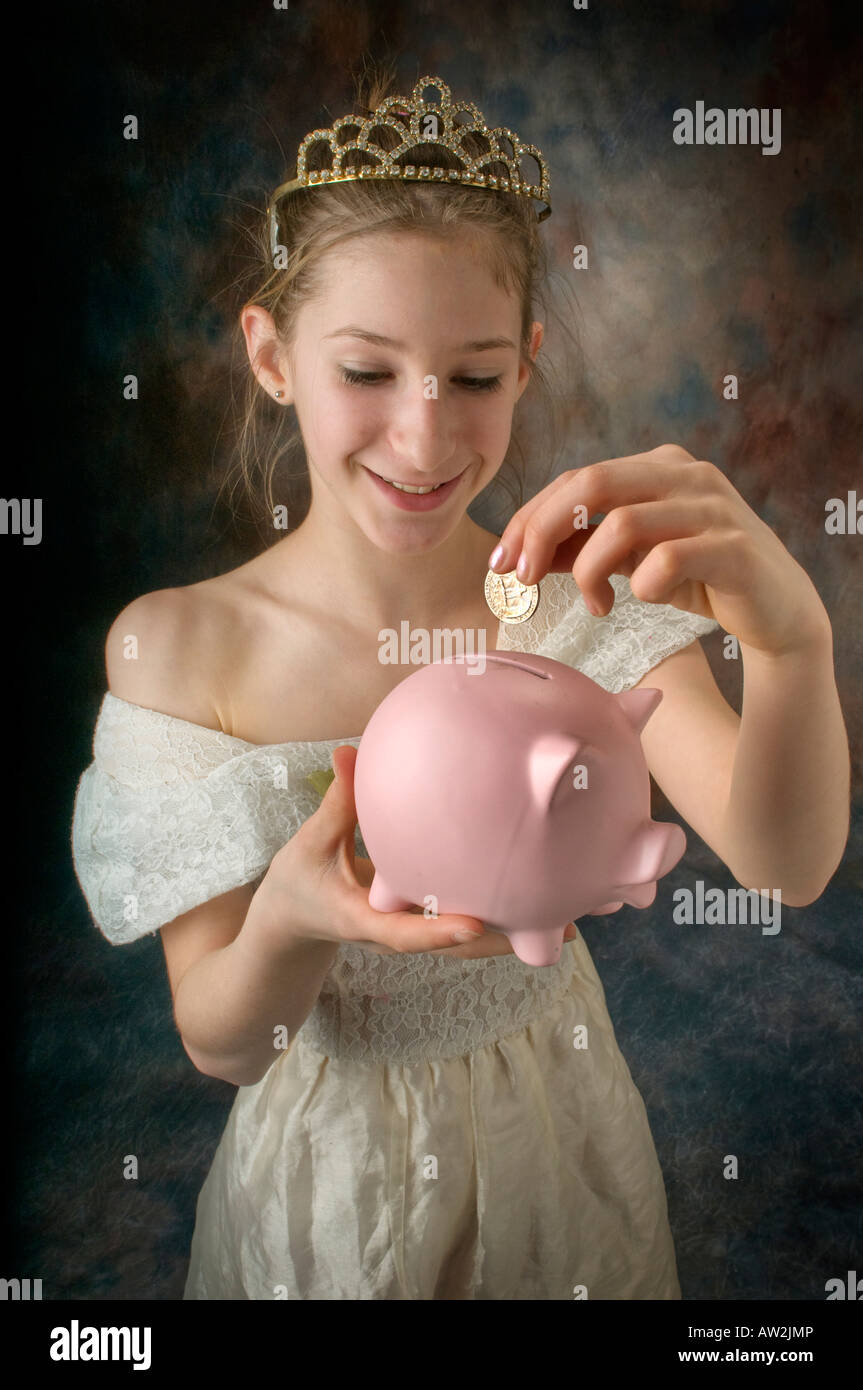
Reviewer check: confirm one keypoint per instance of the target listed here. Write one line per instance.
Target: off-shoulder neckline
(289, 743)
(220, 733)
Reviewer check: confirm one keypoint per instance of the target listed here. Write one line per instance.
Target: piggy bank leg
(383, 899)
(538, 947)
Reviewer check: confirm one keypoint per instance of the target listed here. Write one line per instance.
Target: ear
(638, 705)
(549, 758)
(536, 336)
(537, 333)
(267, 356)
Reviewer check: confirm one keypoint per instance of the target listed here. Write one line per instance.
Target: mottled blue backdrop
(702, 261)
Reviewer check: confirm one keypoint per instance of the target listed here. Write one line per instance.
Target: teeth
(403, 487)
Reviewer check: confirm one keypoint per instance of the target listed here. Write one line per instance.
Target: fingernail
(521, 567)
(495, 557)
(466, 935)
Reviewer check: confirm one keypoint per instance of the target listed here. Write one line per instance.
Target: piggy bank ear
(638, 705)
(550, 758)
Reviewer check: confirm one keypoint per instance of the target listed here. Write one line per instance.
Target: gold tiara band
(405, 116)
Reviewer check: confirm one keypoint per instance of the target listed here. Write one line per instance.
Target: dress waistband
(420, 1007)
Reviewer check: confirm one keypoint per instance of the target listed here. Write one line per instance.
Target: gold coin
(509, 599)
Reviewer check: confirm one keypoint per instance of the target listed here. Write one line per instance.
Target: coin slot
(521, 665)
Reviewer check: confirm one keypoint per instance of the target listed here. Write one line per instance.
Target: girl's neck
(372, 589)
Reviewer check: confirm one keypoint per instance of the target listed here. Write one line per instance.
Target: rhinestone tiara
(406, 116)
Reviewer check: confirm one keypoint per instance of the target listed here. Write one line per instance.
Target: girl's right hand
(318, 889)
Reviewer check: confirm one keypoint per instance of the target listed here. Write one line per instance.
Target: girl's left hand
(491, 943)
(680, 533)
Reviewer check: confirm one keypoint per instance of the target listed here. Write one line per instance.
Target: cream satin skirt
(523, 1170)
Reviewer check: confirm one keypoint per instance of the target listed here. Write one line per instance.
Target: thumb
(344, 762)
(338, 807)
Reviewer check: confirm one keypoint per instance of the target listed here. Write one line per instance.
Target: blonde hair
(312, 222)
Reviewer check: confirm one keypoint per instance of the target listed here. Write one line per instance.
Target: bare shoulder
(162, 648)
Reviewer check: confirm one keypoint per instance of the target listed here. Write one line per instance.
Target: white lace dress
(432, 1132)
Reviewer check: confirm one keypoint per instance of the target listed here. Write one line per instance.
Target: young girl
(413, 1120)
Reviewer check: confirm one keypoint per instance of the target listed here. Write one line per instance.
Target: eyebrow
(353, 330)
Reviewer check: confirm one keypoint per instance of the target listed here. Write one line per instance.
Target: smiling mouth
(409, 487)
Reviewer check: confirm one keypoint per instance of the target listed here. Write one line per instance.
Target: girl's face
(406, 368)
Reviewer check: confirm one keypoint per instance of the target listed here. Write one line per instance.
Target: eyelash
(471, 383)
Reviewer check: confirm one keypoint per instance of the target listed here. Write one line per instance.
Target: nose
(422, 434)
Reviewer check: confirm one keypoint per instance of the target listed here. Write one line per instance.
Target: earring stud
(279, 393)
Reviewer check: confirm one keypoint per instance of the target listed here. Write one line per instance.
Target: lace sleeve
(169, 815)
(615, 651)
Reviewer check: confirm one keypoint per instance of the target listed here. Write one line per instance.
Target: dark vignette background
(702, 261)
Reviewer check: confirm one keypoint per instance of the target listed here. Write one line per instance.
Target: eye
(470, 383)
(480, 383)
(352, 378)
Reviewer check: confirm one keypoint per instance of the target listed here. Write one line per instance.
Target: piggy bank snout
(654, 851)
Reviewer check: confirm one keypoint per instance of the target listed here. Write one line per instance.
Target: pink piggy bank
(514, 789)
